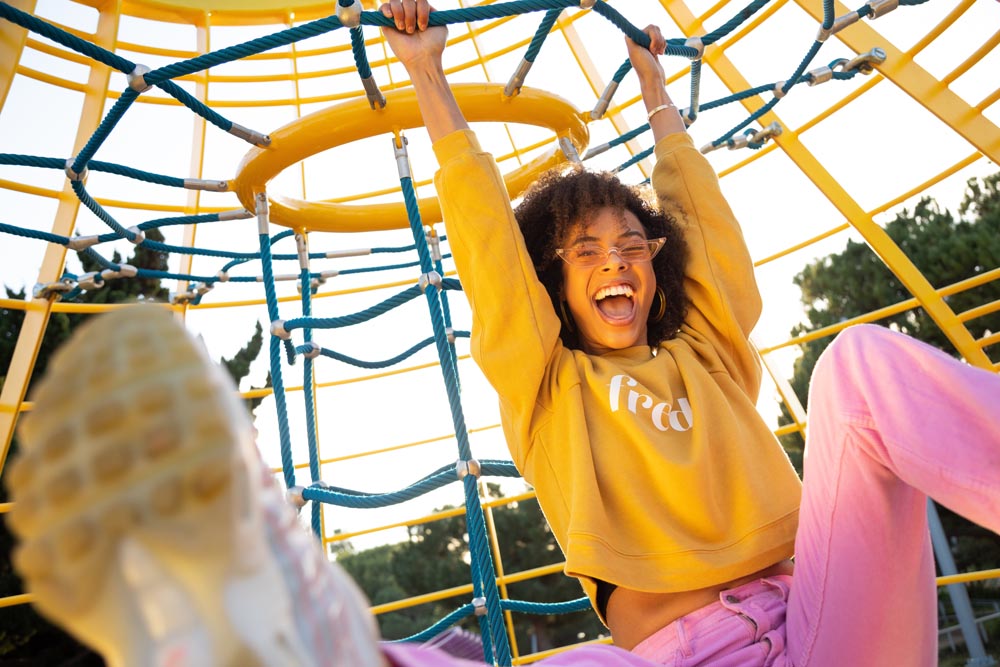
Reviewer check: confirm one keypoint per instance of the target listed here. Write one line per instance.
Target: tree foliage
(436, 557)
(946, 249)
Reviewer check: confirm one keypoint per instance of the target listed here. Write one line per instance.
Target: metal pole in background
(959, 594)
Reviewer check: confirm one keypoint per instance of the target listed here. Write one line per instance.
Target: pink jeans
(891, 421)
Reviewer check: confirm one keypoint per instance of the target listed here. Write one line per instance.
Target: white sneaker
(149, 526)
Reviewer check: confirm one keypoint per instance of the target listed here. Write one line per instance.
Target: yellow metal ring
(355, 120)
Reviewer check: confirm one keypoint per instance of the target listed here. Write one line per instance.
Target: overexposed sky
(877, 147)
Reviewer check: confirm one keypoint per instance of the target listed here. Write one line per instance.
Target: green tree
(436, 557)
(855, 281)
(25, 638)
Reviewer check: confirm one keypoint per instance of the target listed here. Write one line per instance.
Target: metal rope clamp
(74, 176)
(429, 279)
(295, 497)
(865, 63)
(313, 351)
(479, 605)
(124, 271)
(278, 329)
(433, 243)
(465, 468)
(90, 281)
(47, 290)
(350, 15)
(136, 79)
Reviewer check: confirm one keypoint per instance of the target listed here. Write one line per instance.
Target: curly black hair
(557, 201)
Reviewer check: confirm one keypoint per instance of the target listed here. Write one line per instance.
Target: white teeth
(614, 290)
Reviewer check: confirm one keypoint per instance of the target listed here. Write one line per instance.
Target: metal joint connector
(72, 175)
(450, 333)
(513, 86)
(429, 279)
(709, 147)
(139, 235)
(204, 184)
(881, 7)
(865, 63)
(180, 298)
(569, 150)
(295, 497)
(82, 242)
(779, 89)
(596, 150)
(402, 158)
(90, 281)
(376, 100)
(587, 4)
(48, 290)
(235, 214)
(329, 273)
(202, 288)
(434, 245)
(223, 276)
(769, 132)
(313, 351)
(696, 44)
(465, 468)
(688, 117)
(842, 22)
(124, 271)
(479, 605)
(737, 142)
(262, 213)
(250, 136)
(136, 79)
(278, 329)
(819, 75)
(302, 247)
(350, 16)
(604, 101)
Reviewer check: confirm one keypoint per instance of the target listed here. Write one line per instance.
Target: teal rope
(307, 393)
(274, 348)
(495, 644)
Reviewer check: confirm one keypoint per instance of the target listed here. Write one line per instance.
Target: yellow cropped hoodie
(652, 467)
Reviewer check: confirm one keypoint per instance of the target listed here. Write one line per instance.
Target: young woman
(617, 339)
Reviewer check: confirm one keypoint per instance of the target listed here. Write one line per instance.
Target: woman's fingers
(408, 15)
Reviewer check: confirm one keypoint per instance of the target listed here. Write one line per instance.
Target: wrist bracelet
(658, 109)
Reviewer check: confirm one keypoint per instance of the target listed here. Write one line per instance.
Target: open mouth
(616, 302)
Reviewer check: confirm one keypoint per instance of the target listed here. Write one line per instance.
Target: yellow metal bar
(491, 528)
(876, 237)
(541, 655)
(895, 201)
(968, 576)
(887, 311)
(29, 339)
(386, 450)
(192, 204)
(463, 590)
(915, 81)
(436, 516)
(13, 600)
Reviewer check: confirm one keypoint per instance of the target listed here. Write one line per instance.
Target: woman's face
(609, 301)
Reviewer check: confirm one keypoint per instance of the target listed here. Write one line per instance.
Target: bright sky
(878, 147)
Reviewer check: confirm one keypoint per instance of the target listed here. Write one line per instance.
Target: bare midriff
(634, 615)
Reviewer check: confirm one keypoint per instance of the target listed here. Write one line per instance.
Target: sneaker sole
(132, 495)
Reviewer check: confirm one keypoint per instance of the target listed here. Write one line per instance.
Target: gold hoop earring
(662, 310)
(565, 316)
